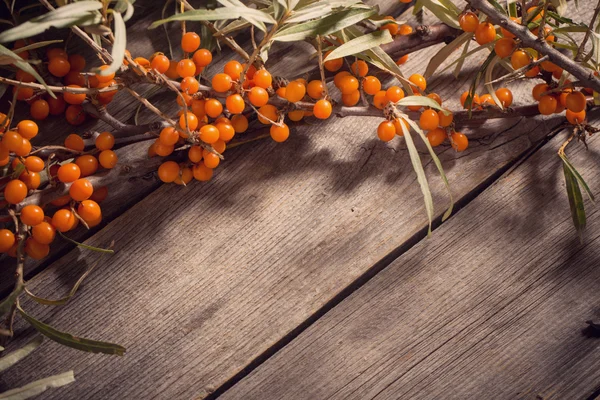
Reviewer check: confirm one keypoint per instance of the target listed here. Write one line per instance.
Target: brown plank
(493, 306)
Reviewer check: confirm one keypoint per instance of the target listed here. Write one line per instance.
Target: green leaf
(86, 246)
(423, 101)
(449, 17)
(461, 62)
(324, 26)
(247, 16)
(11, 359)
(118, 50)
(69, 340)
(361, 44)
(445, 52)
(575, 201)
(216, 15)
(8, 302)
(38, 45)
(421, 178)
(80, 13)
(488, 78)
(316, 10)
(577, 176)
(34, 388)
(24, 65)
(498, 7)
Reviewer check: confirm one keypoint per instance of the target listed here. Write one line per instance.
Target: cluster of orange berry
(398, 29)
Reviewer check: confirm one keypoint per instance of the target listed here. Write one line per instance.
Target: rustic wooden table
(302, 270)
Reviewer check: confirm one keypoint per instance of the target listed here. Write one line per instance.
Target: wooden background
(302, 269)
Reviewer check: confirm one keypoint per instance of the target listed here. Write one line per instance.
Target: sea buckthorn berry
(322, 109)
(506, 33)
(226, 131)
(198, 107)
(184, 99)
(88, 164)
(504, 47)
(195, 154)
(39, 109)
(210, 160)
(392, 26)
(219, 146)
(487, 99)
(169, 136)
(44, 232)
(468, 21)
(192, 121)
(102, 78)
(549, 66)
(27, 129)
(184, 177)
(105, 141)
(262, 78)
(533, 72)
(460, 142)
(202, 57)
(266, 113)
(213, 108)
(23, 76)
(185, 68)
(380, 99)
(31, 179)
(419, 81)
(202, 172)
(7, 240)
(436, 136)
(81, 189)
(142, 62)
(280, 133)
(56, 52)
(59, 66)
(359, 68)
(337, 79)
(398, 123)
(171, 72)
(534, 14)
(34, 164)
(575, 118)
(32, 215)
(75, 115)
(547, 105)
(519, 59)
(557, 74)
(315, 89)
(394, 94)
(575, 102)
(538, 89)
(12, 140)
(474, 101)
(233, 69)
(168, 171)
(371, 85)
(221, 82)
(108, 159)
(258, 96)
(505, 96)
(74, 142)
(35, 249)
(559, 107)
(485, 33)
(239, 123)
(235, 103)
(209, 134)
(74, 78)
(405, 30)
(23, 93)
(295, 115)
(77, 62)
(445, 120)
(402, 60)
(25, 148)
(63, 220)
(295, 91)
(90, 212)
(386, 131)
(162, 150)
(56, 106)
(332, 65)
(348, 84)
(351, 99)
(69, 172)
(15, 191)
(429, 120)
(190, 42)
(190, 85)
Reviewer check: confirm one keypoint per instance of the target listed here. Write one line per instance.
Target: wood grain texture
(493, 306)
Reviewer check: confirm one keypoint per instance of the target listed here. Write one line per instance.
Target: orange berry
(35, 249)
(351, 99)
(575, 102)
(226, 131)
(322, 109)
(445, 120)
(532, 73)
(534, 14)
(460, 142)
(504, 47)
(88, 164)
(108, 159)
(209, 134)
(348, 84)
(202, 57)
(386, 131)
(192, 121)
(162, 150)
(213, 108)
(23, 93)
(429, 120)
(34, 164)
(63, 220)
(56, 106)
(235, 103)
(105, 78)
(105, 141)
(184, 177)
(436, 136)
(332, 65)
(505, 96)
(75, 115)
(59, 66)
(39, 109)
(262, 78)
(198, 107)
(195, 154)
(475, 101)
(190, 42)
(7, 240)
(506, 33)
(190, 85)
(419, 81)
(31, 179)
(485, 33)
(295, 91)
(520, 59)
(32, 215)
(24, 149)
(538, 90)
(219, 146)
(392, 26)
(82, 189)
(27, 129)
(171, 72)
(281, 133)
(221, 82)
(266, 113)
(380, 99)
(337, 79)
(74, 142)
(547, 105)
(168, 171)
(394, 94)
(168, 136)
(15, 191)
(56, 52)
(239, 123)
(202, 172)
(315, 89)
(295, 115)
(258, 96)
(68, 172)
(575, 118)
(486, 99)
(43, 232)
(371, 85)
(233, 69)
(402, 60)
(77, 62)
(23, 76)
(468, 21)
(549, 66)
(398, 123)
(74, 78)
(90, 212)
(210, 160)
(359, 68)
(12, 140)
(185, 68)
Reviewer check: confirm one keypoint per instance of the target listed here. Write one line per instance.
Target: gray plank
(493, 306)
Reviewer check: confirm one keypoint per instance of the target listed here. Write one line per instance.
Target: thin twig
(581, 48)
(60, 89)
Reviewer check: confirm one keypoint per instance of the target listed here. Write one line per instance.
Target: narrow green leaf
(468, 54)
(247, 16)
(445, 52)
(461, 62)
(24, 65)
(216, 15)
(498, 7)
(34, 388)
(575, 201)
(442, 13)
(577, 176)
(118, 50)
(11, 359)
(69, 340)
(488, 78)
(360, 44)
(38, 45)
(86, 246)
(8, 302)
(423, 101)
(324, 26)
(316, 10)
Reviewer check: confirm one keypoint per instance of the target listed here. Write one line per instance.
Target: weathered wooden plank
(493, 306)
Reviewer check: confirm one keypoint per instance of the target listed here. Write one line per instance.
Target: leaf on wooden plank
(467, 55)
(292, 4)
(125, 7)
(488, 79)
(78, 13)
(445, 52)
(577, 176)
(231, 27)
(247, 16)
(559, 5)
(316, 10)
(450, 6)
(69, 340)
(86, 246)
(118, 49)
(476, 80)
(498, 7)
(437, 163)
(8, 302)
(449, 17)
(361, 44)
(461, 62)
(415, 159)
(38, 45)
(512, 8)
(11, 359)
(35, 388)
(575, 201)
(24, 65)
(324, 26)
(421, 101)
(217, 14)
